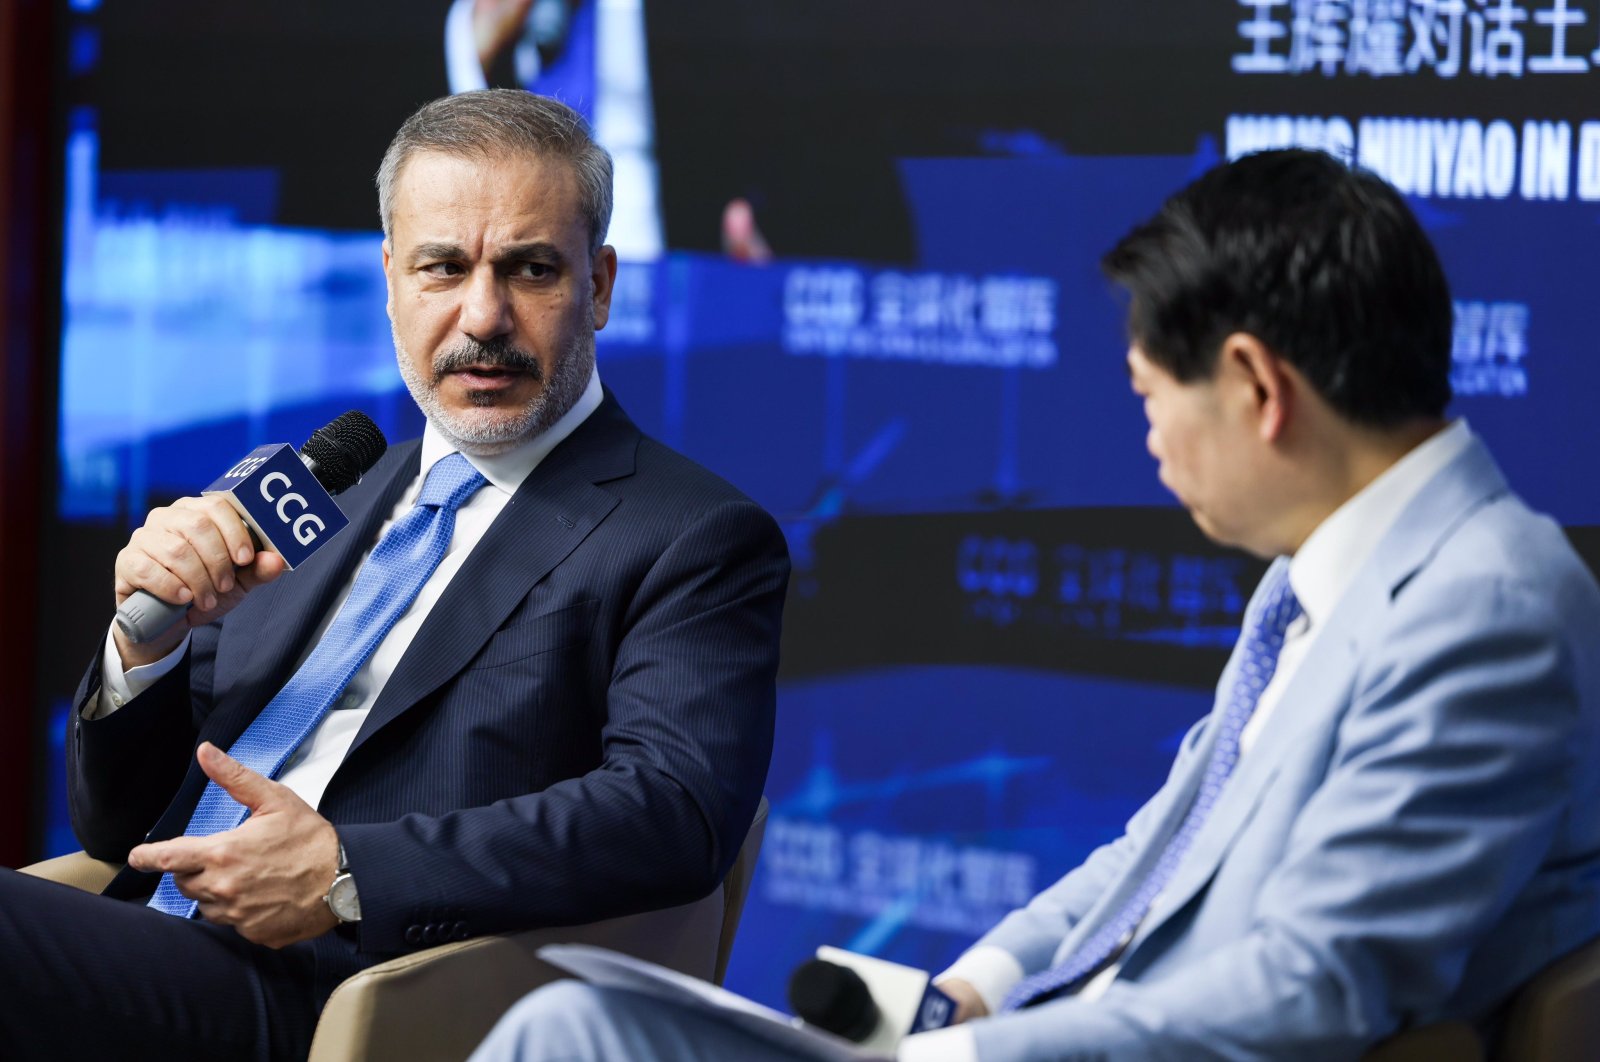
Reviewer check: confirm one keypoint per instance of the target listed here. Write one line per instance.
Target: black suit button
(413, 934)
(430, 934)
(461, 931)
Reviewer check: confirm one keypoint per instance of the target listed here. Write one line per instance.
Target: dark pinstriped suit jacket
(581, 728)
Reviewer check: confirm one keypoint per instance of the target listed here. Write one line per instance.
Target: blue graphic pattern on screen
(999, 627)
(913, 807)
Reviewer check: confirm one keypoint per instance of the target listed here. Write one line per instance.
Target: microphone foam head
(834, 998)
(341, 451)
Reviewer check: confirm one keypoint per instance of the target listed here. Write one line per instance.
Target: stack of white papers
(612, 969)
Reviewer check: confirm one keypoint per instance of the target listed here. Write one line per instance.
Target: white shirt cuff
(955, 1044)
(462, 67)
(992, 971)
(118, 687)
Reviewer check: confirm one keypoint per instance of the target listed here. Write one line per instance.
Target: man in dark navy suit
(531, 685)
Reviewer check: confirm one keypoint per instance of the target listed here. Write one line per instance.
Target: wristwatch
(341, 898)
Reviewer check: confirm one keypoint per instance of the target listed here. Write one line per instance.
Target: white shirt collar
(505, 472)
(1325, 565)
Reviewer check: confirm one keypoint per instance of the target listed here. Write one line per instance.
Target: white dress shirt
(312, 765)
(1320, 573)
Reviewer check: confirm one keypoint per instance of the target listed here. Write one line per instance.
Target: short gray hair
(493, 123)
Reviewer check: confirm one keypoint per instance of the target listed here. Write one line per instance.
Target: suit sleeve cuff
(992, 971)
(118, 687)
(955, 1044)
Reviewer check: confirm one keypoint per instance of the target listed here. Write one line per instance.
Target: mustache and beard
(490, 427)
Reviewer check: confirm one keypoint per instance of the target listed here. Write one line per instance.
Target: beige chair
(1445, 1042)
(1556, 1018)
(439, 1003)
(1553, 1018)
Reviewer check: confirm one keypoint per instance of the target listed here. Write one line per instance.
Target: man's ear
(388, 277)
(1264, 380)
(603, 275)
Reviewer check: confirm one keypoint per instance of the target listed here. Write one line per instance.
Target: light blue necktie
(384, 588)
(1273, 609)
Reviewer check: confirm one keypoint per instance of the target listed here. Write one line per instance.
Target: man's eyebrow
(521, 252)
(541, 250)
(434, 252)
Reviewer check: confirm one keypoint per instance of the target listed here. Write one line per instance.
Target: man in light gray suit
(1392, 815)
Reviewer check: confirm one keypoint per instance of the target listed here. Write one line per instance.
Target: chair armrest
(78, 869)
(441, 1003)
(1454, 1040)
(1555, 1017)
(736, 888)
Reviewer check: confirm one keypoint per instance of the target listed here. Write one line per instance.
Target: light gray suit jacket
(1415, 834)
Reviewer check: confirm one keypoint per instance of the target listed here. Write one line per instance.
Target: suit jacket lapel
(555, 509)
(1322, 684)
(1320, 688)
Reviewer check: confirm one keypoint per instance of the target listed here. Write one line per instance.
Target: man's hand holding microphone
(196, 552)
(191, 563)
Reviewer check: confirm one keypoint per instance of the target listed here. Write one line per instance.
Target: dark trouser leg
(85, 977)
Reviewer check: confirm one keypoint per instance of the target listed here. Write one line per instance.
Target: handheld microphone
(287, 511)
(869, 1001)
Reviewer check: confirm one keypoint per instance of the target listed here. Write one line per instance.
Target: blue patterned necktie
(384, 588)
(1273, 609)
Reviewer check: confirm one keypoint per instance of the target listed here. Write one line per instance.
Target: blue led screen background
(1000, 625)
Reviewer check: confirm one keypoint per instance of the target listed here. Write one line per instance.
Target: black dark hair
(1324, 264)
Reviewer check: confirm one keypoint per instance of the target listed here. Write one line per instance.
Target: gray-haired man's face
(494, 298)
